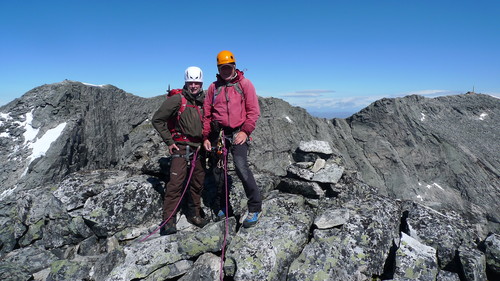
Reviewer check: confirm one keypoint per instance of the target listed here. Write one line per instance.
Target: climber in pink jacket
(231, 106)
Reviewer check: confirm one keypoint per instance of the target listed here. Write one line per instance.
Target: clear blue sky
(321, 55)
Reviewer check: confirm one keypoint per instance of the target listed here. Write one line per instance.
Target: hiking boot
(220, 215)
(168, 229)
(198, 221)
(251, 220)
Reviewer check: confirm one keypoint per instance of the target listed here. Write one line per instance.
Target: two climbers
(179, 123)
(226, 114)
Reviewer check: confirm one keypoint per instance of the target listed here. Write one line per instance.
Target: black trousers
(244, 173)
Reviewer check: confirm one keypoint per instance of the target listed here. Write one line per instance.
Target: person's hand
(207, 145)
(171, 148)
(240, 138)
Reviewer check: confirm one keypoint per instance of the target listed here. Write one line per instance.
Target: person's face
(194, 87)
(226, 71)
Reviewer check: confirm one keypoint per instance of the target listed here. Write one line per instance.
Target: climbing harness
(186, 156)
(193, 164)
(220, 149)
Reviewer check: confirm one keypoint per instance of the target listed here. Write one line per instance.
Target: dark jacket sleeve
(167, 109)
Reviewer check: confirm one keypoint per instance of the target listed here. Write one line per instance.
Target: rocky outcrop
(406, 189)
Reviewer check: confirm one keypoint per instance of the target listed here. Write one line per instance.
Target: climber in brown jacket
(179, 123)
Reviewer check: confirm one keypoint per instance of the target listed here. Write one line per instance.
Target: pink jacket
(230, 108)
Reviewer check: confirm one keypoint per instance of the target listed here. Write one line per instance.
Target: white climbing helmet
(193, 74)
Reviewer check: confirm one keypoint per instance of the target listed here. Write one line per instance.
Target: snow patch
(30, 132)
(5, 116)
(288, 119)
(7, 192)
(437, 185)
(42, 145)
(434, 211)
(420, 197)
(423, 116)
(93, 85)
(481, 117)
(434, 185)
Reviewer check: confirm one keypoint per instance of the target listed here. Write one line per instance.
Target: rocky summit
(406, 189)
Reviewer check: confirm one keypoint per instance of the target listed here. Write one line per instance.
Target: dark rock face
(443, 151)
(407, 188)
(102, 129)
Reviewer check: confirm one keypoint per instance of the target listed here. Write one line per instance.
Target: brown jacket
(190, 123)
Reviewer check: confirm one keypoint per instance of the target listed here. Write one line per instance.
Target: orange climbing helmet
(225, 57)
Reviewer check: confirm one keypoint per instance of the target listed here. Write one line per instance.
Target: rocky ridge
(406, 189)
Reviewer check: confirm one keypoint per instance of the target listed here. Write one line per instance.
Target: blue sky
(325, 56)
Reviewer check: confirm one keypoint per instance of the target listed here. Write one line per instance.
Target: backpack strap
(173, 123)
(236, 86)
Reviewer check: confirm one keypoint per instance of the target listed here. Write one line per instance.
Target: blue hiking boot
(220, 215)
(251, 219)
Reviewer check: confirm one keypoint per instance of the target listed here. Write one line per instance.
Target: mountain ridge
(414, 164)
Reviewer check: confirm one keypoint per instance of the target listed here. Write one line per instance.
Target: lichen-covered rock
(38, 218)
(142, 259)
(473, 262)
(446, 232)
(447, 276)
(91, 246)
(415, 261)
(492, 252)
(328, 218)
(170, 271)
(36, 257)
(355, 251)
(122, 205)
(331, 173)
(304, 188)
(444, 275)
(62, 270)
(74, 191)
(14, 272)
(297, 170)
(316, 146)
(156, 253)
(206, 268)
(13, 226)
(105, 263)
(413, 148)
(265, 250)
